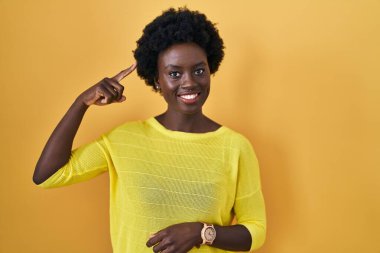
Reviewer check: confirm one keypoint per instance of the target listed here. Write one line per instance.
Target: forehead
(186, 54)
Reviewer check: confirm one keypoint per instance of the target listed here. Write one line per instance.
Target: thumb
(122, 99)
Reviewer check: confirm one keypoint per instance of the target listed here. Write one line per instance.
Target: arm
(232, 238)
(57, 150)
(183, 237)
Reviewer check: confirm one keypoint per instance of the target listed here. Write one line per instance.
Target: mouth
(189, 98)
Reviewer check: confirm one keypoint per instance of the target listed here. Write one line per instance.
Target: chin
(190, 109)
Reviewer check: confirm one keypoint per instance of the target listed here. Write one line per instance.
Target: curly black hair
(174, 27)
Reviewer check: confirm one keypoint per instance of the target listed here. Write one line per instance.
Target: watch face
(210, 234)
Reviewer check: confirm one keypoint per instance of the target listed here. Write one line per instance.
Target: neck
(191, 123)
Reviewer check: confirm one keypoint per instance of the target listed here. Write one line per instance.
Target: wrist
(197, 234)
(208, 234)
(80, 103)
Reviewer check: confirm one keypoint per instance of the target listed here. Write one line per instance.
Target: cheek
(205, 82)
(168, 91)
(167, 84)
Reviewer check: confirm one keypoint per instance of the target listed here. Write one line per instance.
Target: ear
(157, 85)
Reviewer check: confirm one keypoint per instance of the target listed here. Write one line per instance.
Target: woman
(177, 180)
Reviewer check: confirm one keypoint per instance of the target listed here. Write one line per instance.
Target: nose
(188, 82)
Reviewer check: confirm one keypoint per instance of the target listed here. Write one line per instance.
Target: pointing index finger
(125, 72)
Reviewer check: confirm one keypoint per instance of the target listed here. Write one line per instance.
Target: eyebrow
(175, 66)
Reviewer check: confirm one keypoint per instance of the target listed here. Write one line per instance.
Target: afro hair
(175, 27)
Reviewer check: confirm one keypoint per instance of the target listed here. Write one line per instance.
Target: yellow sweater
(160, 177)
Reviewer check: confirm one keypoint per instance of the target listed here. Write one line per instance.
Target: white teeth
(189, 96)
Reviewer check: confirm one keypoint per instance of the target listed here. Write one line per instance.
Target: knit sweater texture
(159, 177)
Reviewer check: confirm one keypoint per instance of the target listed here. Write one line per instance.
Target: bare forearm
(58, 148)
(232, 238)
(183, 237)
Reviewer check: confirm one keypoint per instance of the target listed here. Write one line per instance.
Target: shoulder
(237, 138)
(243, 148)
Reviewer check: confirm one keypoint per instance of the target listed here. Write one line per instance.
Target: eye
(199, 72)
(174, 74)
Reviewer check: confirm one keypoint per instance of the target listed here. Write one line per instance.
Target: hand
(177, 238)
(107, 91)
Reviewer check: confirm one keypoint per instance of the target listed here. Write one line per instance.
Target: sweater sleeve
(249, 204)
(86, 162)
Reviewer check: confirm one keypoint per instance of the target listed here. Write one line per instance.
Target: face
(184, 78)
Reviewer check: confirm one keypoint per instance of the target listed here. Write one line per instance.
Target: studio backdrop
(300, 79)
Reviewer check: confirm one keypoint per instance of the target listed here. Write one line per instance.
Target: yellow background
(300, 79)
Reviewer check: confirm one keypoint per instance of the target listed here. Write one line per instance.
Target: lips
(189, 98)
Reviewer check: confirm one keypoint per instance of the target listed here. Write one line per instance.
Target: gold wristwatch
(208, 234)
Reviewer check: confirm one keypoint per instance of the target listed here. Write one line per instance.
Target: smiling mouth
(189, 98)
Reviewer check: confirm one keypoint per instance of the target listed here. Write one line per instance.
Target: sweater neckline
(179, 134)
